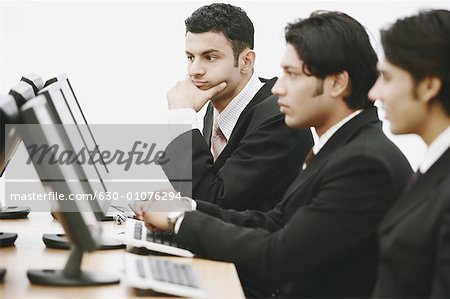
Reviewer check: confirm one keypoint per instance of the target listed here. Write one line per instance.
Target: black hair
(331, 42)
(230, 20)
(420, 44)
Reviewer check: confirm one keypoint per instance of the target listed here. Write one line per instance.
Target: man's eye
(190, 58)
(210, 58)
(291, 74)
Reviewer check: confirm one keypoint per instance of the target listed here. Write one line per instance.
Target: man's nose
(196, 69)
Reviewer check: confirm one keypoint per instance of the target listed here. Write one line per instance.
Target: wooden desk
(219, 279)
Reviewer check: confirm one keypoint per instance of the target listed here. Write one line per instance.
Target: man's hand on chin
(185, 94)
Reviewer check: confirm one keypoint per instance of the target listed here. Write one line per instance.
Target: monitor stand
(59, 241)
(7, 239)
(2, 274)
(113, 210)
(71, 275)
(14, 212)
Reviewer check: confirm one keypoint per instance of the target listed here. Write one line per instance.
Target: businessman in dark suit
(415, 91)
(320, 240)
(245, 144)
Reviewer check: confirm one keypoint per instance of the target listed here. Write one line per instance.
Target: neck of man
(436, 123)
(335, 115)
(220, 103)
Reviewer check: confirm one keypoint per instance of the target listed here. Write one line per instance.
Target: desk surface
(220, 280)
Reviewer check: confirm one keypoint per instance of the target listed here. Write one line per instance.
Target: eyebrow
(290, 68)
(211, 51)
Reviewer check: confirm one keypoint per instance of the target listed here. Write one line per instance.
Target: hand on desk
(189, 94)
(155, 221)
(155, 212)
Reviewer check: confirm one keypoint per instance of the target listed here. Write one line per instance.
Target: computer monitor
(91, 175)
(76, 216)
(68, 110)
(9, 113)
(10, 140)
(10, 104)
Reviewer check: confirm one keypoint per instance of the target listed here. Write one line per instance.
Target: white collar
(435, 150)
(228, 118)
(330, 132)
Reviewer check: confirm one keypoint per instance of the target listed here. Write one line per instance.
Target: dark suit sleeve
(268, 152)
(271, 221)
(441, 281)
(345, 212)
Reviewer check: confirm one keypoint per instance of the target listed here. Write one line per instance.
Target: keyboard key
(165, 238)
(189, 274)
(138, 230)
(140, 268)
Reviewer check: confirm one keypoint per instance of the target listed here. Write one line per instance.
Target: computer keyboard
(166, 238)
(136, 234)
(146, 272)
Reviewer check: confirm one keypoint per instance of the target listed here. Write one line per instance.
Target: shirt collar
(435, 150)
(330, 132)
(227, 119)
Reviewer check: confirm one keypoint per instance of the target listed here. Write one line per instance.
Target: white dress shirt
(435, 150)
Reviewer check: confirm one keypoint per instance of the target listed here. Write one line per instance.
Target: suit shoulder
(267, 108)
(371, 141)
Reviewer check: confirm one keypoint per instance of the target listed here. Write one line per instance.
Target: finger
(209, 93)
(146, 220)
(150, 227)
(140, 208)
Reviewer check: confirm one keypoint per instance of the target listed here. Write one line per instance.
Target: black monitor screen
(68, 112)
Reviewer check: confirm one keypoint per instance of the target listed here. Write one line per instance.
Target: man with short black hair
(245, 146)
(414, 88)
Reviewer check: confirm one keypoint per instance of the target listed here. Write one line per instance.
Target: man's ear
(247, 60)
(428, 88)
(340, 84)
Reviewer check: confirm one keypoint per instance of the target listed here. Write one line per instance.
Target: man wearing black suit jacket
(255, 145)
(415, 91)
(320, 240)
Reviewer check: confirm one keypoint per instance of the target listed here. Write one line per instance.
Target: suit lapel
(303, 177)
(344, 135)
(418, 193)
(261, 95)
(242, 122)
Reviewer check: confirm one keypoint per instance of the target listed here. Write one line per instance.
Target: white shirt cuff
(177, 225)
(185, 116)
